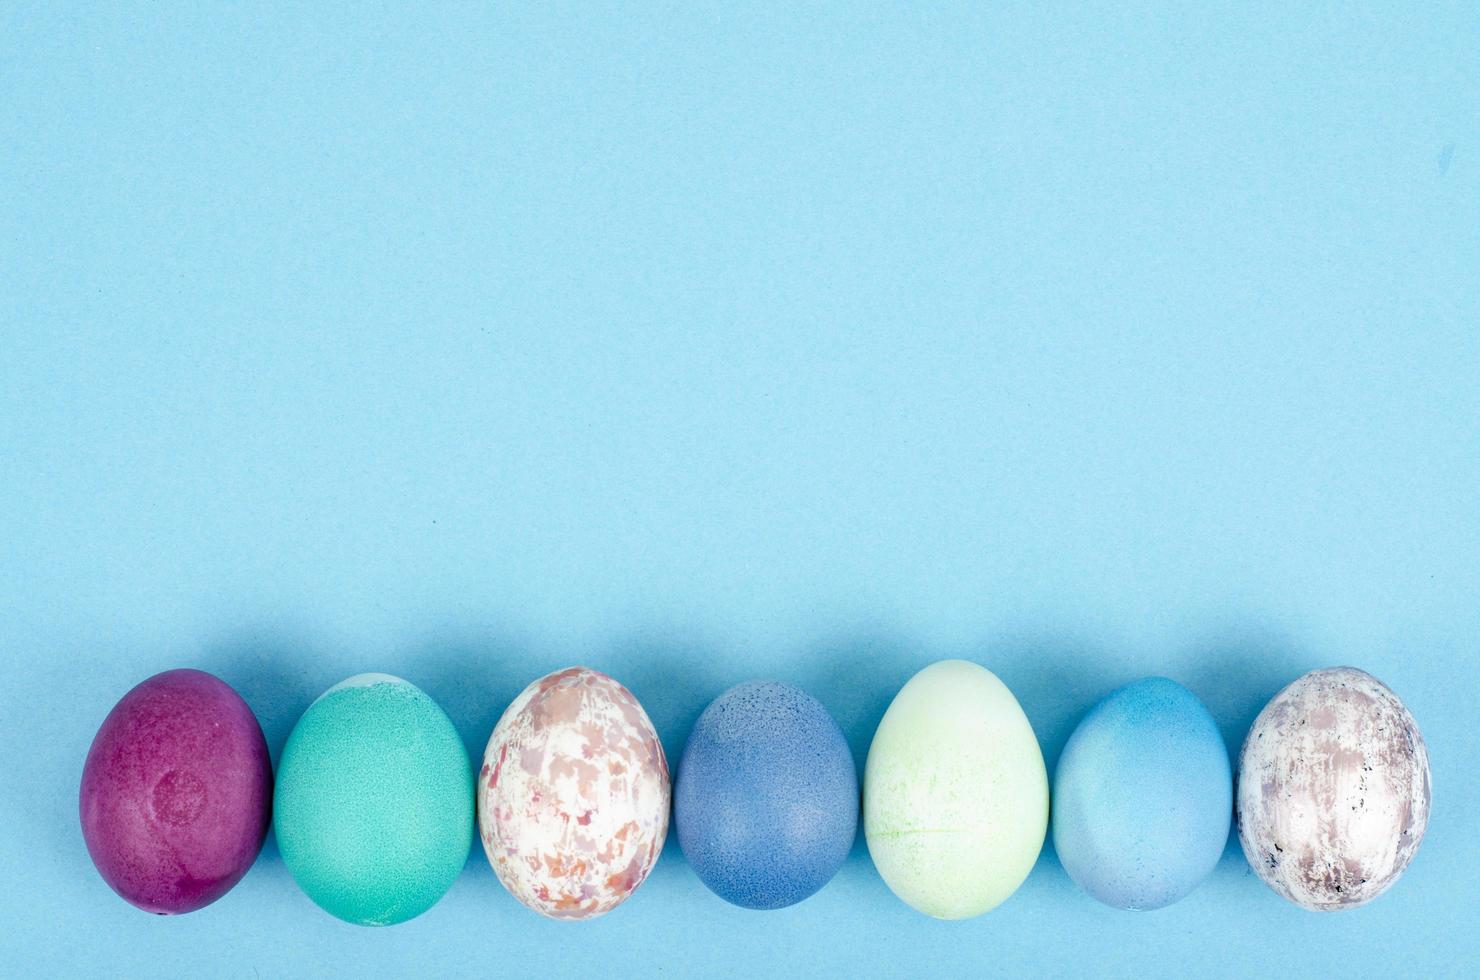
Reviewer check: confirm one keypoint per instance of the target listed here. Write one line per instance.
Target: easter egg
(176, 792)
(1333, 790)
(1143, 796)
(573, 795)
(765, 803)
(955, 795)
(374, 809)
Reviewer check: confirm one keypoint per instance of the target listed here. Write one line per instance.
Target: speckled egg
(176, 792)
(1333, 790)
(1143, 796)
(573, 795)
(374, 810)
(765, 803)
(955, 795)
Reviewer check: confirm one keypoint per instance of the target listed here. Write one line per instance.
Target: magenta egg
(176, 792)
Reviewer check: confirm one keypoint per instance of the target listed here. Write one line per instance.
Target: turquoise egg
(373, 807)
(1143, 796)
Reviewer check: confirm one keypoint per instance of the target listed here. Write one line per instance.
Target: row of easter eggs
(375, 800)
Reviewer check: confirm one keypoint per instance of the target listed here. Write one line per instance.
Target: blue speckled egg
(1143, 796)
(766, 799)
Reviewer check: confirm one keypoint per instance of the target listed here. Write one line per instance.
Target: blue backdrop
(700, 344)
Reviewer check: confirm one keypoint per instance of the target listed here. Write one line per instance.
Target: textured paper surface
(702, 346)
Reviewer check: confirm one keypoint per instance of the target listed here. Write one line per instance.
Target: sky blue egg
(766, 799)
(1143, 796)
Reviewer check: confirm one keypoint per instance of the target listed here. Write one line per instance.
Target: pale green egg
(955, 794)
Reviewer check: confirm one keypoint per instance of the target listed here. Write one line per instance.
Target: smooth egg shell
(955, 797)
(573, 795)
(1143, 796)
(1333, 792)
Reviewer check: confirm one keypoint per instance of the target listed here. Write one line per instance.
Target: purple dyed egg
(176, 793)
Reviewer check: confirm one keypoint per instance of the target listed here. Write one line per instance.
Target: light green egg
(955, 794)
(373, 805)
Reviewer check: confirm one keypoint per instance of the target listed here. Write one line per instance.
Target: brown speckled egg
(1333, 790)
(573, 795)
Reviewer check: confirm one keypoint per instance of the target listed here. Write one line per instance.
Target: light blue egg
(1143, 796)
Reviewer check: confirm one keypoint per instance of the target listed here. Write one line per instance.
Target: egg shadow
(279, 675)
(1238, 670)
(856, 678)
(276, 674)
(1056, 677)
(673, 676)
(473, 674)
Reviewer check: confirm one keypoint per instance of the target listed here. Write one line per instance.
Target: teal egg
(373, 805)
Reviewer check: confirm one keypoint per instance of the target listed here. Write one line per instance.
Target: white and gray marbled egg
(1333, 790)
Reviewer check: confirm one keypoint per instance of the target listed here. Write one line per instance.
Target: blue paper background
(700, 344)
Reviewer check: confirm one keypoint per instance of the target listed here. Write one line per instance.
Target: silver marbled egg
(1333, 790)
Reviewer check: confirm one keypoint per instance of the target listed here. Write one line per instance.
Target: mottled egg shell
(573, 795)
(1333, 791)
(176, 792)
(374, 810)
(765, 803)
(1143, 796)
(955, 795)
